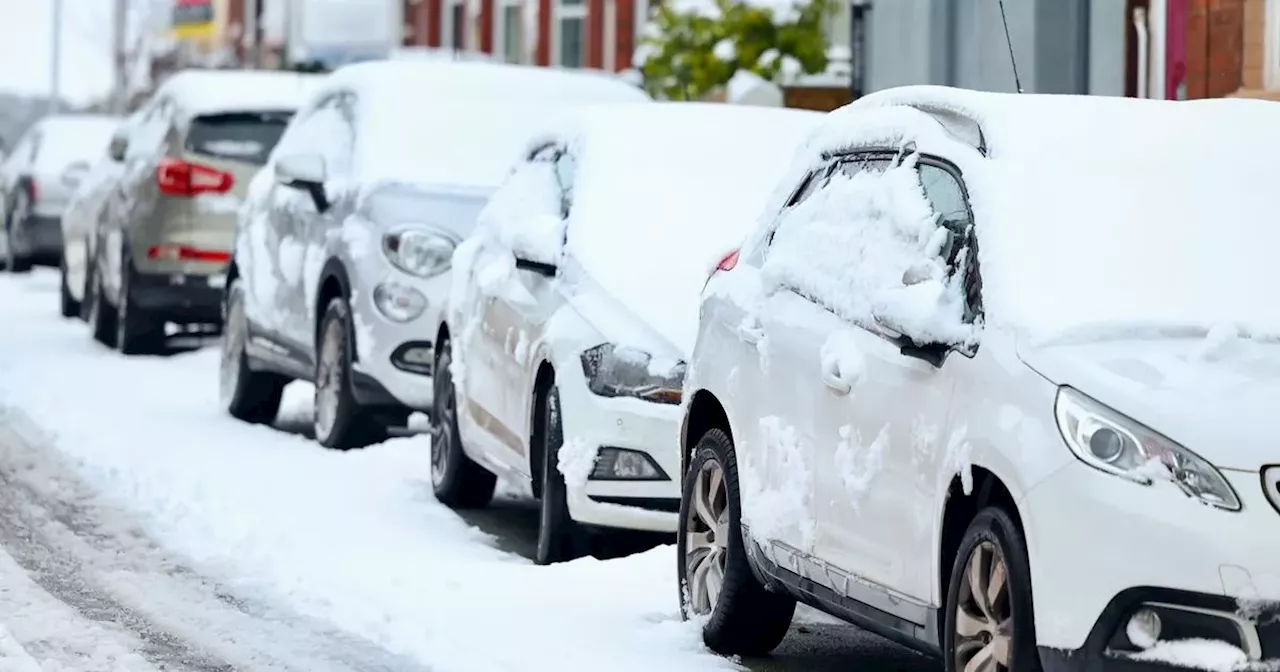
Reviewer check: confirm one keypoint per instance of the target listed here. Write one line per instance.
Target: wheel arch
(987, 490)
(705, 413)
(333, 283)
(542, 381)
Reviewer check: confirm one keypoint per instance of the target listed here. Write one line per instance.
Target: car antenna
(1009, 41)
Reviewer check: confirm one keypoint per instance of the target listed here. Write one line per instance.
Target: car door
(509, 323)
(875, 418)
(135, 195)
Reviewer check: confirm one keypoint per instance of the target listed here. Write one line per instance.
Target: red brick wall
(486, 26)
(542, 55)
(1215, 48)
(595, 33)
(625, 45)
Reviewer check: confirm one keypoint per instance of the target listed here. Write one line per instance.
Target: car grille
(1271, 483)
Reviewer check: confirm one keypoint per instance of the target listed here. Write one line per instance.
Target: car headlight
(620, 371)
(1107, 440)
(420, 251)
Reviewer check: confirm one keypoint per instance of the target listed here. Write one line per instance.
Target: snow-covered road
(144, 529)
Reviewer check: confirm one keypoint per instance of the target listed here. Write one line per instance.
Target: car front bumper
(398, 356)
(632, 424)
(1102, 547)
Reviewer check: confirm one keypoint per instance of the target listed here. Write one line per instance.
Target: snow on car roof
(662, 190)
(212, 91)
(66, 139)
(458, 123)
(1095, 211)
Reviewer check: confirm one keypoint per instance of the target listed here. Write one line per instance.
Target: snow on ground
(352, 538)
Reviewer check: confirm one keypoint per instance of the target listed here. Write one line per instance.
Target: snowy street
(143, 529)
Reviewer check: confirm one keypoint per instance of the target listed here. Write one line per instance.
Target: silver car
(341, 258)
(37, 180)
(164, 239)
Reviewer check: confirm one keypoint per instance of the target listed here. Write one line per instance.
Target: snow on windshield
(661, 193)
(67, 140)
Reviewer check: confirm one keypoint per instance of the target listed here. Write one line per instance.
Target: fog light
(399, 302)
(414, 357)
(620, 464)
(1144, 628)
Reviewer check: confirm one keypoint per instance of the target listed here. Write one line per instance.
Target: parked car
(37, 180)
(80, 223)
(575, 305)
(343, 249)
(165, 236)
(994, 378)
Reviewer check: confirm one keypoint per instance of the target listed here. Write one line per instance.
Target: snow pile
(672, 185)
(868, 247)
(353, 538)
(1198, 654)
(776, 486)
(577, 459)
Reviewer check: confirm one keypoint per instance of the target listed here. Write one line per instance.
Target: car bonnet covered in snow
(663, 190)
(459, 123)
(1091, 211)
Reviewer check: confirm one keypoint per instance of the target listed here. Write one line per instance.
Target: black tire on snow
(67, 303)
(994, 525)
(138, 332)
(461, 482)
(13, 262)
(102, 315)
(354, 426)
(748, 619)
(256, 395)
(560, 537)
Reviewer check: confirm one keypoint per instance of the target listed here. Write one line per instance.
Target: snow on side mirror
(306, 172)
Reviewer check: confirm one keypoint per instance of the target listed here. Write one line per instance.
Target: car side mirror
(539, 267)
(306, 172)
(115, 150)
(932, 353)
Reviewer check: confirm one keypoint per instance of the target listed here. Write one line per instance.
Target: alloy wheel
(329, 378)
(442, 433)
(984, 623)
(707, 538)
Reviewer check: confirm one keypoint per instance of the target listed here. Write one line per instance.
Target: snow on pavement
(352, 538)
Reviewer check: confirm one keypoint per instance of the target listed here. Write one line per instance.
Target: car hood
(1216, 394)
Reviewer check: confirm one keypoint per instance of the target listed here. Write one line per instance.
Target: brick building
(597, 34)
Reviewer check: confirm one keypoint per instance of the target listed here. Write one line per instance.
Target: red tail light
(183, 178)
(33, 191)
(185, 253)
(726, 264)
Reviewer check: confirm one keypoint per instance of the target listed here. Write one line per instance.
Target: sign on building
(194, 20)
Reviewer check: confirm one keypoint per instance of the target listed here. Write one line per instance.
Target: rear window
(240, 136)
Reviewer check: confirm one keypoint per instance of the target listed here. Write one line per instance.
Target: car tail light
(185, 253)
(33, 191)
(726, 263)
(176, 177)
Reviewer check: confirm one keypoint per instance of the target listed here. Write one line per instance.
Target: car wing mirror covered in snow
(119, 144)
(932, 353)
(539, 267)
(306, 172)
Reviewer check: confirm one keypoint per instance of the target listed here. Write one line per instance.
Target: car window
(147, 137)
(240, 136)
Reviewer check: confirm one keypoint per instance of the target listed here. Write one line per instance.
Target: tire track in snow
(97, 561)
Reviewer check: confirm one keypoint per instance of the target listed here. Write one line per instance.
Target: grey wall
(1061, 46)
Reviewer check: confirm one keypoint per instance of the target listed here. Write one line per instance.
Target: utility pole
(119, 56)
(858, 20)
(55, 60)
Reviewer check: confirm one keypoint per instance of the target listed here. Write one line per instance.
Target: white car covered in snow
(575, 305)
(341, 260)
(997, 378)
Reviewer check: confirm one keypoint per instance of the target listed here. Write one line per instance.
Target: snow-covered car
(996, 378)
(165, 234)
(575, 305)
(343, 251)
(80, 222)
(37, 180)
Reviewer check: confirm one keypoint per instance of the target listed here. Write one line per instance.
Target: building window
(511, 31)
(571, 33)
(455, 33)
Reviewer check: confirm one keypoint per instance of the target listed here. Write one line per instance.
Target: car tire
(13, 262)
(742, 616)
(248, 395)
(457, 480)
(340, 422)
(1003, 626)
(67, 303)
(138, 332)
(102, 315)
(560, 537)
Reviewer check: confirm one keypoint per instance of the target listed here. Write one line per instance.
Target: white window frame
(560, 12)
(500, 30)
(1271, 46)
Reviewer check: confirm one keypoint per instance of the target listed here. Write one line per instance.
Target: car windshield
(239, 136)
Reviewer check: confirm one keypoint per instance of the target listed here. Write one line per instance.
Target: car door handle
(839, 386)
(752, 335)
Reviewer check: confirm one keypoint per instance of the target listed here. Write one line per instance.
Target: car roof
(198, 92)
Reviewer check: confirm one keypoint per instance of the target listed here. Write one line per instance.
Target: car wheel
(248, 395)
(715, 577)
(560, 537)
(70, 307)
(138, 332)
(13, 261)
(340, 422)
(990, 624)
(102, 315)
(457, 480)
